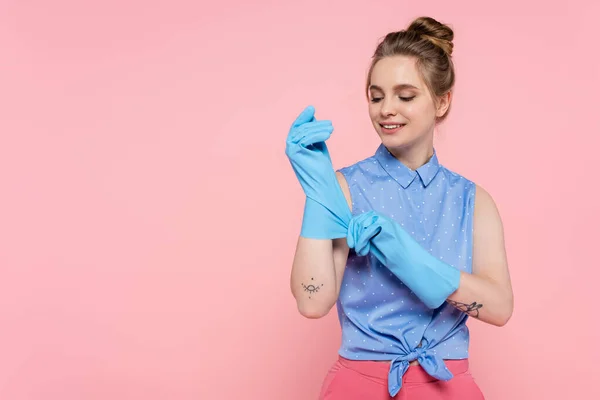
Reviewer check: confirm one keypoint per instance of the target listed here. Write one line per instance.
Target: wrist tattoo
(470, 309)
(312, 288)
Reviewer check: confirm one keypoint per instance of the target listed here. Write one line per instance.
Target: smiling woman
(406, 248)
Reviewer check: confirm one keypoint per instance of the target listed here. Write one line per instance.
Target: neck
(414, 155)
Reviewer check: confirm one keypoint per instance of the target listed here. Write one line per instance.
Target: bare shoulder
(485, 209)
(483, 197)
(345, 188)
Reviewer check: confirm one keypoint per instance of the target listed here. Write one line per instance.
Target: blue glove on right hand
(326, 212)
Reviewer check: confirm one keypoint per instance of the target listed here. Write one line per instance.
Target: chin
(394, 141)
(401, 140)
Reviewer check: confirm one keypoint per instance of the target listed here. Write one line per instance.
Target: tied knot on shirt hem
(414, 355)
(431, 363)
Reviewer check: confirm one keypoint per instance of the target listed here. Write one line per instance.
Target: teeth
(391, 126)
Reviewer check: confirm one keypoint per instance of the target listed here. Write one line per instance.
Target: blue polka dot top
(381, 319)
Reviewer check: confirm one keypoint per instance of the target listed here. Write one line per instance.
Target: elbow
(313, 308)
(502, 320)
(313, 311)
(506, 314)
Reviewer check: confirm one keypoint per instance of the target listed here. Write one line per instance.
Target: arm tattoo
(471, 309)
(311, 288)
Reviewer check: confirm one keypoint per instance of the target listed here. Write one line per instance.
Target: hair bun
(430, 29)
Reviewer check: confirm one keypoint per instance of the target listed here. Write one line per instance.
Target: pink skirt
(359, 380)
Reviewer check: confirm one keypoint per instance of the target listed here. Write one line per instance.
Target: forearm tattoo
(471, 309)
(311, 288)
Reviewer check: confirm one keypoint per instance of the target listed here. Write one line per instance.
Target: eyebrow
(397, 87)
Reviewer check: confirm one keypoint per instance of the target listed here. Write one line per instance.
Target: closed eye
(405, 99)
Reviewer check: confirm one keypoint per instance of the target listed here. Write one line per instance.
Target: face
(400, 106)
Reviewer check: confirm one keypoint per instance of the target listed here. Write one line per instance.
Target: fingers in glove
(311, 132)
(317, 135)
(361, 230)
(307, 115)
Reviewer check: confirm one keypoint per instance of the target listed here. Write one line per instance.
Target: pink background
(148, 215)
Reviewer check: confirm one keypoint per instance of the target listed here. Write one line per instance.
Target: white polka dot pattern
(381, 318)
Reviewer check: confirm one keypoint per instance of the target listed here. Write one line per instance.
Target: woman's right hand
(326, 212)
(308, 153)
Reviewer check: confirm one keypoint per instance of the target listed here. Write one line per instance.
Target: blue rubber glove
(326, 212)
(429, 278)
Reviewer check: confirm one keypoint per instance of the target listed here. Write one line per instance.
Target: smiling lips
(391, 128)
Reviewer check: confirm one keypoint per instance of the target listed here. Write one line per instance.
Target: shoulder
(454, 178)
(368, 164)
(486, 215)
(480, 199)
(352, 173)
(485, 210)
(484, 200)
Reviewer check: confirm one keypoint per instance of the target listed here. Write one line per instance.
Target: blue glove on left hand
(429, 278)
(326, 212)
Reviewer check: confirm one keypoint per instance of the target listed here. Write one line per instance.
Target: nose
(387, 108)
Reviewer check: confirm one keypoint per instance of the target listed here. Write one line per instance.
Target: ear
(443, 104)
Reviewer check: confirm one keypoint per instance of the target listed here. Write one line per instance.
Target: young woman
(405, 248)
